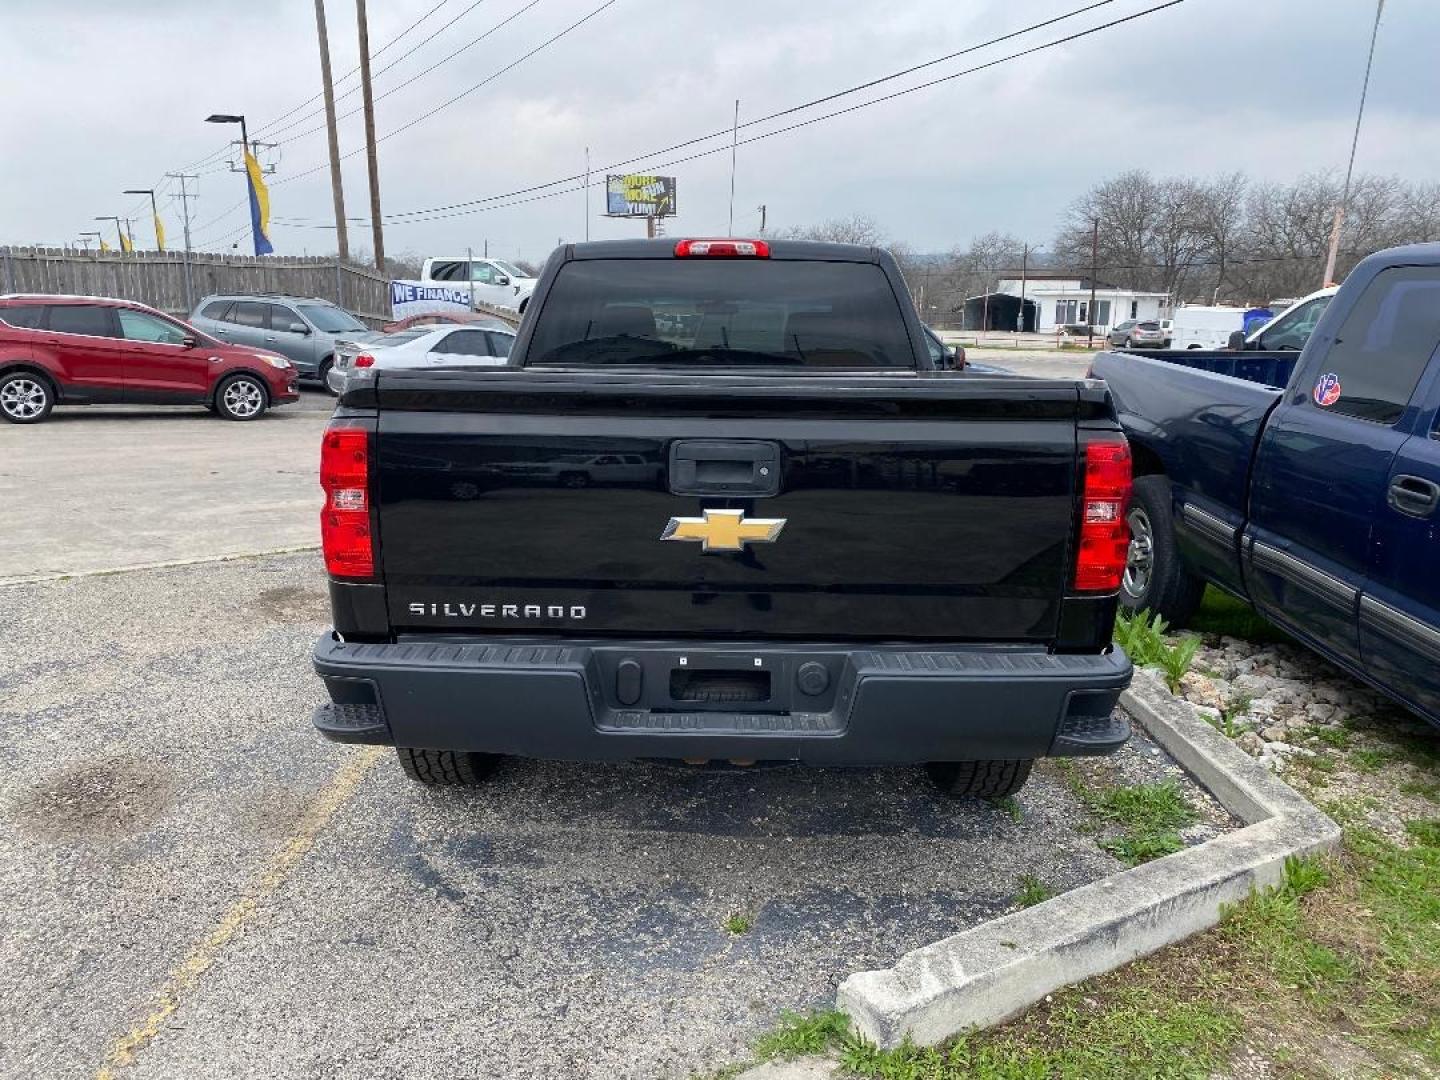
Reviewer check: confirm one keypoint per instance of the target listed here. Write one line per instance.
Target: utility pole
(1094, 258)
(185, 197)
(376, 226)
(1024, 275)
(337, 189)
(762, 219)
(587, 194)
(734, 136)
(1354, 142)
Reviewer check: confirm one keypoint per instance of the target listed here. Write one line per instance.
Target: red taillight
(724, 249)
(364, 360)
(345, 519)
(1104, 533)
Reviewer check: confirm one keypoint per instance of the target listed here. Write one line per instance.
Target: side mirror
(502, 280)
(298, 328)
(1237, 341)
(189, 341)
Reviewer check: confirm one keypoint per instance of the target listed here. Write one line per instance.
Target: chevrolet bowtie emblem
(723, 530)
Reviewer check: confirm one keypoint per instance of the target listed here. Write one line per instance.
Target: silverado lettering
(943, 594)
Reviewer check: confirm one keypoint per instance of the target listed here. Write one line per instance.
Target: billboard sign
(639, 196)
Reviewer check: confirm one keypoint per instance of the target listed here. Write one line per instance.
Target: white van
(1200, 327)
(495, 281)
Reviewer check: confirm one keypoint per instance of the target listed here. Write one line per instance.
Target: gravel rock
(1250, 742)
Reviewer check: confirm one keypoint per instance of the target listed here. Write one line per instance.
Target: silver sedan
(423, 347)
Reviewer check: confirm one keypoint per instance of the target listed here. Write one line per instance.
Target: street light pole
(154, 212)
(118, 231)
(185, 197)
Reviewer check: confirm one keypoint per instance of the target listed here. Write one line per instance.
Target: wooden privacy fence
(158, 278)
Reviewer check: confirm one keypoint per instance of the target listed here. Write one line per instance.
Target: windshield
(721, 313)
(510, 268)
(1292, 329)
(332, 320)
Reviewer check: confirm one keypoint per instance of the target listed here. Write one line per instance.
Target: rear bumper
(824, 705)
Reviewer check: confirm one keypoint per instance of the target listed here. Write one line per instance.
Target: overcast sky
(102, 96)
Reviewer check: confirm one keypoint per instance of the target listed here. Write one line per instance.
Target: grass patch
(1011, 806)
(798, 1035)
(1032, 891)
(1221, 613)
(738, 923)
(1369, 760)
(1149, 817)
(1338, 738)
(1426, 789)
(1142, 636)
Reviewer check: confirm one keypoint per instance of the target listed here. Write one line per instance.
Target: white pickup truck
(494, 281)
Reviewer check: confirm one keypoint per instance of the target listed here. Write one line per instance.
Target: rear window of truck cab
(721, 313)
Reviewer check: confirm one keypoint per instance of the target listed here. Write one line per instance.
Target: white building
(1062, 299)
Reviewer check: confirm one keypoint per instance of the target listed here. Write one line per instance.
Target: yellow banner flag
(159, 234)
(259, 206)
(103, 245)
(126, 244)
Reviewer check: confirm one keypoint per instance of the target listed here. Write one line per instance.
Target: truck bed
(1200, 422)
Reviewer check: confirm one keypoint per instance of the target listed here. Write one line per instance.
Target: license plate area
(718, 686)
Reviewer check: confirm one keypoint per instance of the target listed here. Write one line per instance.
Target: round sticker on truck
(1327, 389)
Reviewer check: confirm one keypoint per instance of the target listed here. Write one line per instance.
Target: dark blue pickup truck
(1306, 483)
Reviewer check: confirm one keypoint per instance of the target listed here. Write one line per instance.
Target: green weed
(1032, 891)
(738, 923)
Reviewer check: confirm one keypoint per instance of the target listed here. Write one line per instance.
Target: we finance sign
(415, 298)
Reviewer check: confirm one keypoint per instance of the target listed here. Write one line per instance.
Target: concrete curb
(33, 579)
(994, 971)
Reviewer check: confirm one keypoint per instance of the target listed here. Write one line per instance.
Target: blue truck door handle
(1414, 495)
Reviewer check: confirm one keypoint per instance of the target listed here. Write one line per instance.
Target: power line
(792, 110)
(219, 154)
(269, 126)
(401, 59)
(466, 93)
(462, 208)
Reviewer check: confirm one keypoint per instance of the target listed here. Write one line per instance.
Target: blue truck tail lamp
(1104, 534)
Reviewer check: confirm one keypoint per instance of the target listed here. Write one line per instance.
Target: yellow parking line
(204, 953)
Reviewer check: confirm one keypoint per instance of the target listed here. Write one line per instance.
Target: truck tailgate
(914, 507)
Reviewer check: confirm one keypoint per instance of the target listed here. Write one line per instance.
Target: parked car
(86, 350)
(1293, 326)
(1306, 483)
(495, 281)
(426, 346)
(304, 329)
(1167, 327)
(1135, 334)
(842, 564)
(943, 356)
(443, 318)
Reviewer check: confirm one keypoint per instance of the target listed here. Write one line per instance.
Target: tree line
(1226, 239)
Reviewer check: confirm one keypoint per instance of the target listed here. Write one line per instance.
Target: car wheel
(1155, 579)
(986, 779)
(324, 376)
(241, 397)
(445, 768)
(25, 398)
(574, 480)
(1129, 343)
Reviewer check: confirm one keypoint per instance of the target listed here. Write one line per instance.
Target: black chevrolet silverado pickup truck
(718, 506)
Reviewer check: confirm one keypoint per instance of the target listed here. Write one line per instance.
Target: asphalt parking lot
(195, 885)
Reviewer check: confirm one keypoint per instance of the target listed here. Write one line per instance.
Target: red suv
(84, 350)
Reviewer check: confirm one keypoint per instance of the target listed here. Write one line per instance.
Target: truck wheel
(25, 398)
(442, 768)
(1155, 579)
(241, 397)
(992, 779)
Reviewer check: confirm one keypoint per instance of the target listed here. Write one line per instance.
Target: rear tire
(25, 398)
(324, 374)
(1155, 579)
(992, 779)
(241, 397)
(446, 768)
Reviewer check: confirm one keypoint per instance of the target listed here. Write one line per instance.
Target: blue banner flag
(259, 206)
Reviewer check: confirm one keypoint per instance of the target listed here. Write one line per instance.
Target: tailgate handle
(724, 467)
